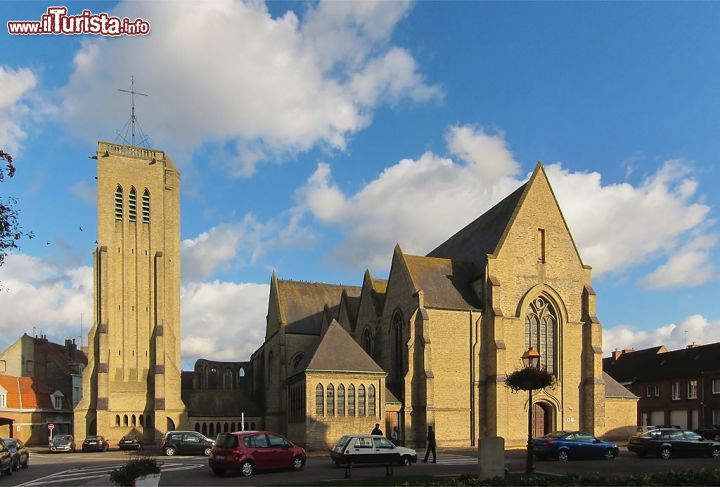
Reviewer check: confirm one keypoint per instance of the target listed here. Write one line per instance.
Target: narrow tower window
(118, 203)
(146, 207)
(132, 205)
(541, 246)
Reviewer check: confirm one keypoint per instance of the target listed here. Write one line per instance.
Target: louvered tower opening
(146, 207)
(118, 203)
(132, 206)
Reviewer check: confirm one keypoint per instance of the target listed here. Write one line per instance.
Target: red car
(248, 451)
(95, 443)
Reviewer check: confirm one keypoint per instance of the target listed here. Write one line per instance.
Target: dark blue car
(575, 445)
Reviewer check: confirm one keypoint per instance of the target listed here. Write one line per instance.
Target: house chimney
(628, 350)
(616, 354)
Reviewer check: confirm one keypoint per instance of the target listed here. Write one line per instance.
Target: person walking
(430, 445)
(377, 430)
(394, 436)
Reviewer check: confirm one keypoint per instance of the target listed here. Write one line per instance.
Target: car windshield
(555, 434)
(59, 440)
(226, 440)
(342, 441)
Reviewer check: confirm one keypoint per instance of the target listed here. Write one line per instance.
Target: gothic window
(371, 400)
(330, 400)
(117, 420)
(146, 207)
(241, 373)
(397, 349)
(232, 426)
(226, 426)
(134, 420)
(125, 420)
(367, 341)
(118, 203)
(204, 429)
(541, 331)
(227, 379)
(319, 403)
(361, 400)
(341, 400)
(132, 205)
(351, 400)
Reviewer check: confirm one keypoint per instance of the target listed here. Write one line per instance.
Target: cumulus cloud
(229, 72)
(421, 202)
(222, 320)
(695, 328)
(688, 265)
(15, 107)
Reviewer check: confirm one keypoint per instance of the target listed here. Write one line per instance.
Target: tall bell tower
(132, 381)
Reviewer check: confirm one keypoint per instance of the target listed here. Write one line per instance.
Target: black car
(666, 443)
(6, 462)
(710, 432)
(130, 442)
(19, 454)
(186, 443)
(95, 443)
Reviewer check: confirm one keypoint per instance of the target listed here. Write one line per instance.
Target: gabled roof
(482, 236)
(338, 352)
(378, 291)
(28, 393)
(658, 364)
(444, 282)
(614, 389)
(302, 303)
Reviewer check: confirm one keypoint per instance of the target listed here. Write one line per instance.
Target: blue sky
(312, 137)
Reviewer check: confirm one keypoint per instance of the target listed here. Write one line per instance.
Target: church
(430, 345)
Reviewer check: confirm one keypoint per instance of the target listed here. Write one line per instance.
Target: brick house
(679, 387)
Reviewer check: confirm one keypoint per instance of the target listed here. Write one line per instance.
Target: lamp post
(531, 360)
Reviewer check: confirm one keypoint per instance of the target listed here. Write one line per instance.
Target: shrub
(135, 468)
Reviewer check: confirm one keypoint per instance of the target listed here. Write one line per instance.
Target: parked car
(370, 449)
(95, 443)
(186, 443)
(19, 454)
(710, 432)
(131, 442)
(248, 451)
(667, 443)
(5, 460)
(62, 443)
(575, 445)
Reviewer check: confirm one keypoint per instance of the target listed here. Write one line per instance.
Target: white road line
(88, 473)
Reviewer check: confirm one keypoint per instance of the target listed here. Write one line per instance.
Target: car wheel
(406, 461)
(207, 452)
(563, 455)
(665, 453)
(716, 453)
(247, 469)
(297, 463)
(169, 451)
(609, 454)
(218, 471)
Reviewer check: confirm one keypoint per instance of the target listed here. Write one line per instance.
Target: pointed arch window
(330, 400)
(132, 205)
(397, 350)
(319, 402)
(371, 400)
(351, 400)
(146, 206)
(361, 400)
(118, 203)
(341, 400)
(541, 331)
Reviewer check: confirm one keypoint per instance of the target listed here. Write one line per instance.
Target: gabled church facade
(445, 330)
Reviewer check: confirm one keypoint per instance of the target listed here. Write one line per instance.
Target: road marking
(88, 473)
(455, 460)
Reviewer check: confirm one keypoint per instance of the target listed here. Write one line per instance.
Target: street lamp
(531, 360)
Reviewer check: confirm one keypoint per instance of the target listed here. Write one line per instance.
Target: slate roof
(29, 393)
(483, 235)
(390, 397)
(379, 291)
(614, 389)
(338, 352)
(657, 364)
(444, 282)
(302, 303)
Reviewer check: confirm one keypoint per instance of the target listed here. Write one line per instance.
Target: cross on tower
(133, 120)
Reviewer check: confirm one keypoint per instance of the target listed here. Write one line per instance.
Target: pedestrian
(394, 436)
(430, 444)
(377, 430)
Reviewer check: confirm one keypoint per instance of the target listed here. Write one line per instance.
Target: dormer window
(132, 205)
(57, 399)
(118, 203)
(146, 207)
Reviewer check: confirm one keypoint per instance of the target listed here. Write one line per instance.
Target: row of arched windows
(133, 420)
(326, 402)
(213, 429)
(132, 205)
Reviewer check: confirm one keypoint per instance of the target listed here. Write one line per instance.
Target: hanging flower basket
(530, 379)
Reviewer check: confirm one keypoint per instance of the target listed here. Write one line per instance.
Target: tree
(10, 230)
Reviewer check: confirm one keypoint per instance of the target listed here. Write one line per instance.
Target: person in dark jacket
(430, 444)
(377, 430)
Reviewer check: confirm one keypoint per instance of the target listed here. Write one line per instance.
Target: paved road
(92, 469)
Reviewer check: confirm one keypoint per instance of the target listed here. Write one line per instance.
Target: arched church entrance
(543, 419)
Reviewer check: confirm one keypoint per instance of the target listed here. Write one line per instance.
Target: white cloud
(420, 203)
(228, 72)
(699, 330)
(688, 265)
(222, 320)
(15, 87)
